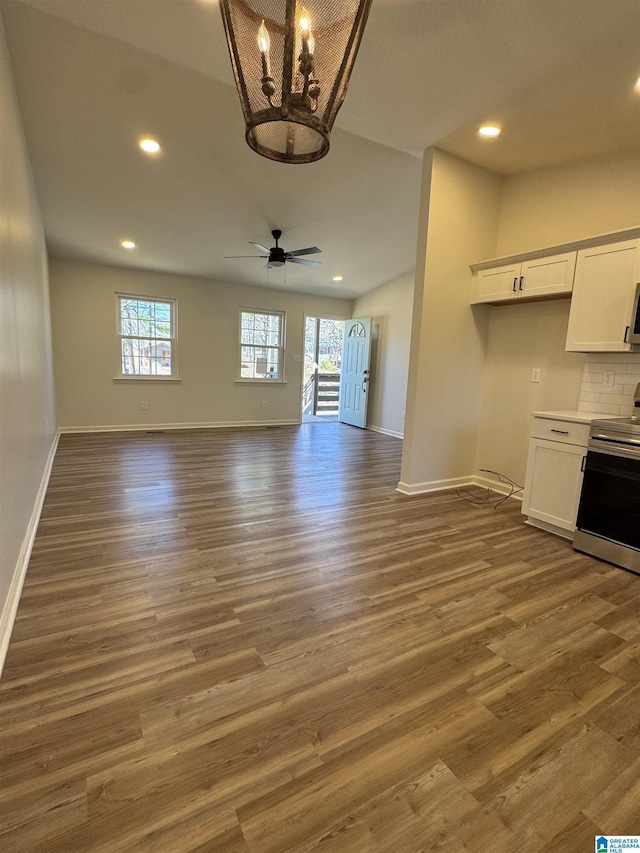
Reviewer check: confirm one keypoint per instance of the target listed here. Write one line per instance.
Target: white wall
(556, 205)
(458, 224)
(26, 387)
(390, 307)
(522, 337)
(83, 305)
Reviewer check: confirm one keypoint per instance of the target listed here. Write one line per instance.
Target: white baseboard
(10, 607)
(433, 485)
(495, 486)
(161, 427)
(390, 432)
(455, 483)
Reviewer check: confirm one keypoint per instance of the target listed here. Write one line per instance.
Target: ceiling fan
(277, 257)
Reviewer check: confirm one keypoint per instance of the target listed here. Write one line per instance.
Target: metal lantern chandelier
(292, 64)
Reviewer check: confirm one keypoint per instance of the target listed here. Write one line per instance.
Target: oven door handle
(630, 442)
(617, 449)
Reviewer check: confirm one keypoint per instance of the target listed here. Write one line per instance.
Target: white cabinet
(496, 284)
(554, 474)
(530, 279)
(602, 301)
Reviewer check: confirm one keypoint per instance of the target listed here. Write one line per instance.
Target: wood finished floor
(248, 642)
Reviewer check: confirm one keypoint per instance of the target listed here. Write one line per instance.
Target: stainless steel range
(608, 523)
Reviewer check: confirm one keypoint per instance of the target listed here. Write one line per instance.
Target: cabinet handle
(584, 459)
(626, 334)
(561, 431)
(521, 280)
(515, 281)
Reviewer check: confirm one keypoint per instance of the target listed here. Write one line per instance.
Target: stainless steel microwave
(633, 336)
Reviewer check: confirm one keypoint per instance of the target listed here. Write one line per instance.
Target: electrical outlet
(535, 374)
(264, 404)
(143, 405)
(609, 378)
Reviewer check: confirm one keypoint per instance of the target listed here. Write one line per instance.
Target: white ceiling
(92, 76)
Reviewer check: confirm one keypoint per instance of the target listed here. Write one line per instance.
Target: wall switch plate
(535, 374)
(264, 404)
(609, 378)
(297, 358)
(143, 405)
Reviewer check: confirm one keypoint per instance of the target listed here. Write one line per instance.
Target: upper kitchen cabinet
(602, 301)
(533, 278)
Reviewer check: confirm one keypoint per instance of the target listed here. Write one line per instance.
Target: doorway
(322, 366)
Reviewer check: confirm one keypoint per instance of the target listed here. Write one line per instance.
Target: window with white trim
(147, 336)
(261, 344)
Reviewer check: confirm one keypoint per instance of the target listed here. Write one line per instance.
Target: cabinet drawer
(563, 431)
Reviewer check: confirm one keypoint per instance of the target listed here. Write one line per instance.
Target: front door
(354, 382)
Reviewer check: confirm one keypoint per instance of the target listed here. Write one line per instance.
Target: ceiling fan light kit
(277, 257)
(292, 65)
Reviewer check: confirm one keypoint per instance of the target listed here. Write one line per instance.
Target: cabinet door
(496, 284)
(548, 276)
(553, 482)
(602, 300)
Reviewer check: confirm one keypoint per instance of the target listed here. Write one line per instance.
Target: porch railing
(321, 394)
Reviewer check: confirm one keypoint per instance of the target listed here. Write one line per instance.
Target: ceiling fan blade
(312, 250)
(246, 256)
(302, 261)
(260, 246)
(267, 266)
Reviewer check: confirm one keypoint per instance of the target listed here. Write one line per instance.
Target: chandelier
(292, 64)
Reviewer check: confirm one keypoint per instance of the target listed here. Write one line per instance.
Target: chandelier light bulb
(264, 42)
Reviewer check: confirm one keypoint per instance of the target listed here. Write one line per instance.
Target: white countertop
(572, 416)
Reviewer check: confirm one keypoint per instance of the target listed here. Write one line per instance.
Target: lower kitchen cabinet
(554, 474)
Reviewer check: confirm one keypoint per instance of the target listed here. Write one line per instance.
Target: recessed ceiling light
(127, 244)
(149, 145)
(337, 278)
(637, 86)
(490, 131)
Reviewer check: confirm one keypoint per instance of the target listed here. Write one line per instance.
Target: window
(261, 344)
(147, 332)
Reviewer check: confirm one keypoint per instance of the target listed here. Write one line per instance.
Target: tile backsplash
(610, 399)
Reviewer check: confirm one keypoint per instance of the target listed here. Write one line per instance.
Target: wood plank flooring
(247, 642)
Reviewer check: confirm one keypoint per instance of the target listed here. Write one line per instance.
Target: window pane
(128, 327)
(144, 329)
(260, 328)
(160, 358)
(161, 329)
(260, 363)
